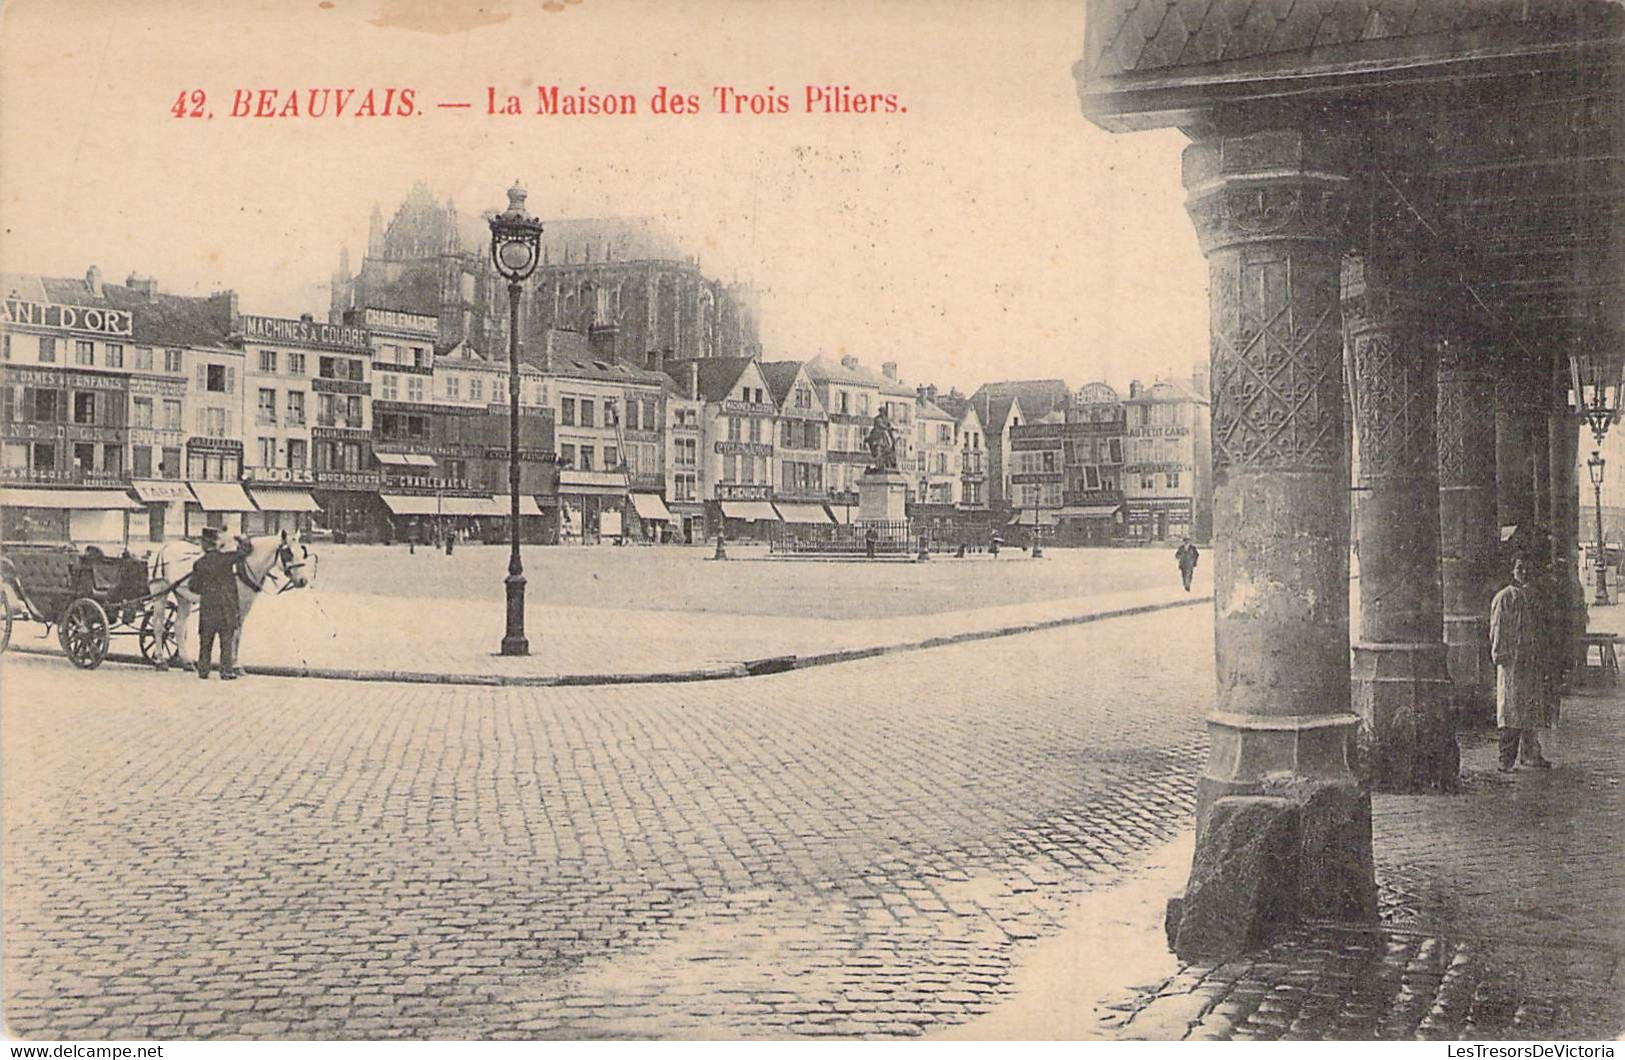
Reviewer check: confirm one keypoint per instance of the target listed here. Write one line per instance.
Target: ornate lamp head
(1596, 389)
(1595, 466)
(516, 238)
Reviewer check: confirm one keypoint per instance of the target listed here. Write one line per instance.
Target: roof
(1124, 36)
(1037, 396)
(780, 376)
(1183, 391)
(578, 240)
(926, 409)
(954, 404)
(717, 374)
(822, 370)
(158, 319)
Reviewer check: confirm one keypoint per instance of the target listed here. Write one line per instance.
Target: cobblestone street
(855, 850)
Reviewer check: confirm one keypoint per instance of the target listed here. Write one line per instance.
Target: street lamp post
(1596, 394)
(516, 245)
(1597, 465)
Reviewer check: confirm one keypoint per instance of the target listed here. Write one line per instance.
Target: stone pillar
(1401, 679)
(1563, 433)
(1283, 828)
(1469, 534)
(1520, 431)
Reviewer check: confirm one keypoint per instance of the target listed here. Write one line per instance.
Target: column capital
(1268, 186)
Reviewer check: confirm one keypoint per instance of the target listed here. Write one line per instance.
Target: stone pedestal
(1401, 684)
(882, 497)
(1469, 536)
(1270, 210)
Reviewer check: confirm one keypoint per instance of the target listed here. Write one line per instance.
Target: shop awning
(1090, 511)
(285, 501)
(803, 513)
(1042, 517)
(750, 511)
(405, 459)
(72, 500)
(411, 504)
(480, 506)
(221, 497)
(843, 514)
(651, 506)
(504, 503)
(154, 490)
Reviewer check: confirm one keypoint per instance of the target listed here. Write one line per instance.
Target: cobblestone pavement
(335, 625)
(1502, 916)
(853, 850)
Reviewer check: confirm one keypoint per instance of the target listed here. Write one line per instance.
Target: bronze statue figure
(882, 443)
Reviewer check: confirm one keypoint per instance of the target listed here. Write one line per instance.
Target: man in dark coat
(1186, 556)
(214, 579)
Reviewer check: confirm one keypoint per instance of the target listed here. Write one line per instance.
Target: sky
(984, 231)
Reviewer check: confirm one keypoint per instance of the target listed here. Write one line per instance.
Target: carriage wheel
(84, 633)
(5, 630)
(159, 645)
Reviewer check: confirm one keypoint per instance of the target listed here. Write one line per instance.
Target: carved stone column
(1401, 679)
(1469, 536)
(1283, 828)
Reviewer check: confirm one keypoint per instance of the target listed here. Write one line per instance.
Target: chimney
(1134, 389)
(655, 360)
(1199, 379)
(889, 370)
(849, 362)
(307, 318)
(93, 280)
(145, 286)
(601, 339)
(693, 380)
(927, 392)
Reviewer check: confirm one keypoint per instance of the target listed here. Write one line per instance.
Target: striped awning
(504, 503)
(1090, 511)
(70, 500)
(803, 513)
(749, 511)
(285, 501)
(651, 506)
(221, 497)
(411, 504)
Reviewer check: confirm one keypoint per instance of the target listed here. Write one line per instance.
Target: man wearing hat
(214, 579)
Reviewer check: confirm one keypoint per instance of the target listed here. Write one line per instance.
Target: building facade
(1092, 495)
(1167, 479)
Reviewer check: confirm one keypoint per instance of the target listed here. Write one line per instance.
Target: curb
(752, 668)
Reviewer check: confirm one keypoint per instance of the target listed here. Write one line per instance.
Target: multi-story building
(803, 429)
(434, 260)
(94, 398)
(1036, 464)
(850, 395)
(897, 402)
(684, 446)
(936, 461)
(1167, 469)
(311, 407)
(973, 461)
(592, 396)
(1092, 497)
(738, 423)
(1003, 406)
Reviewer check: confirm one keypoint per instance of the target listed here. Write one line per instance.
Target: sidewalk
(1502, 914)
(316, 633)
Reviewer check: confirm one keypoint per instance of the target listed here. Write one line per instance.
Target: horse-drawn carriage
(89, 597)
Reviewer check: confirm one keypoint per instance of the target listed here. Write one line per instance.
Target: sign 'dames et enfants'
(95, 320)
(304, 333)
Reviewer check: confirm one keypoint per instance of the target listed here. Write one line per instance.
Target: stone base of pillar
(1472, 674)
(1283, 834)
(1300, 850)
(1406, 740)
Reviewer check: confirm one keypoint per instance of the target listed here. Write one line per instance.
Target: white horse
(259, 559)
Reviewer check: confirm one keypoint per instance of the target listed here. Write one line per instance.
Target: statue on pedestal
(882, 443)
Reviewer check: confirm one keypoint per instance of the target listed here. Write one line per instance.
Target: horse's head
(297, 561)
(263, 557)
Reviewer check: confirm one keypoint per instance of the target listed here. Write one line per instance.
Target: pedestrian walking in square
(1518, 643)
(214, 579)
(1186, 556)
